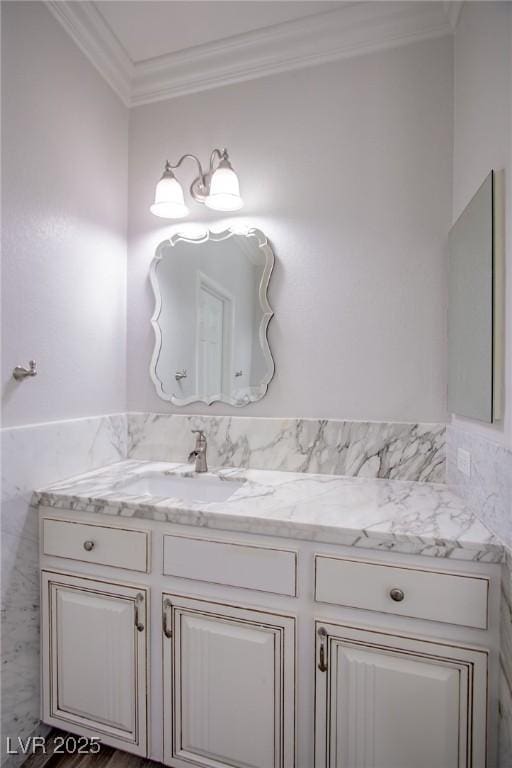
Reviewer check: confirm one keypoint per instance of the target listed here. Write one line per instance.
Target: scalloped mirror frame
(266, 310)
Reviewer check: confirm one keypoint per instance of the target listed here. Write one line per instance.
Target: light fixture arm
(198, 188)
(169, 167)
(201, 184)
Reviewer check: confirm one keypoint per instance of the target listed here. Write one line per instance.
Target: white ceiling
(147, 29)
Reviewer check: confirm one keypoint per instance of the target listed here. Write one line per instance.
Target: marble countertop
(402, 516)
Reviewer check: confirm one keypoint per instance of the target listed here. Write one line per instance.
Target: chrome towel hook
(20, 373)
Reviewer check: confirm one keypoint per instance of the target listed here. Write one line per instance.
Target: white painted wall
(64, 186)
(347, 169)
(483, 140)
(64, 171)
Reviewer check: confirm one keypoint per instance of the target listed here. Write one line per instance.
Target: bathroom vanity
(282, 620)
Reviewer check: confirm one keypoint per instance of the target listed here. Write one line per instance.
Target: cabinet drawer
(236, 565)
(118, 547)
(422, 594)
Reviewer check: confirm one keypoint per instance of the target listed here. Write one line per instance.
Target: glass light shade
(224, 191)
(169, 201)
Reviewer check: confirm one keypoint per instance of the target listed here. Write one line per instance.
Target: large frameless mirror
(211, 317)
(475, 305)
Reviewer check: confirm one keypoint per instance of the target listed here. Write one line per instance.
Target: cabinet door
(386, 701)
(94, 659)
(229, 686)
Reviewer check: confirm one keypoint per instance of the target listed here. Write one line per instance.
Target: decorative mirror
(211, 317)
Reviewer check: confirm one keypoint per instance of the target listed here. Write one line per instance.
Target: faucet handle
(200, 439)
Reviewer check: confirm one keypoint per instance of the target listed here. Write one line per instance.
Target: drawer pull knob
(88, 545)
(396, 594)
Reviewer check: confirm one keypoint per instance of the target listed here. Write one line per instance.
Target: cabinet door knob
(396, 594)
(88, 545)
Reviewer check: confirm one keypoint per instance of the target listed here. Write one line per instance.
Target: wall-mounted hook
(20, 372)
(180, 374)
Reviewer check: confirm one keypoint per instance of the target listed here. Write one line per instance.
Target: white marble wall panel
(505, 720)
(33, 456)
(505, 726)
(488, 490)
(363, 449)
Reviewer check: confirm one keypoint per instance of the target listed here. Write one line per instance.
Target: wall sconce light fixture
(218, 188)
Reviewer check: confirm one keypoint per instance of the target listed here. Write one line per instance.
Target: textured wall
(347, 169)
(64, 177)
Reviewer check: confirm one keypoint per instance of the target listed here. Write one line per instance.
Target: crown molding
(87, 27)
(352, 29)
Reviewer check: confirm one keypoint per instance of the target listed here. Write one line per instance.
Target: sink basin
(195, 488)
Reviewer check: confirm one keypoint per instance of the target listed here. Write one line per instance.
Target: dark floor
(107, 757)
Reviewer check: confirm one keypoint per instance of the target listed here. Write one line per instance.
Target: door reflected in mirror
(211, 317)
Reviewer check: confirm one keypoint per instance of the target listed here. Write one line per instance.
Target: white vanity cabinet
(95, 659)
(229, 685)
(394, 701)
(218, 649)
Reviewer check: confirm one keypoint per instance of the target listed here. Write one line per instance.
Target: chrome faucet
(199, 452)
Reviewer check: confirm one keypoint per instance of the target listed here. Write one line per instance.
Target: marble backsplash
(488, 490)
(33, 456)
(364, 449)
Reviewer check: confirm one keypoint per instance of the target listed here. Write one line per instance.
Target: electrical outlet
(464, 462)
